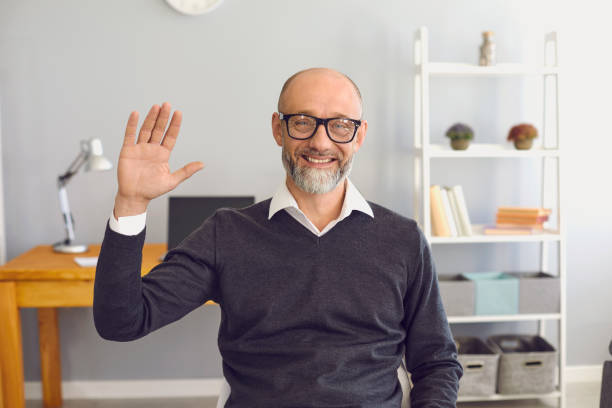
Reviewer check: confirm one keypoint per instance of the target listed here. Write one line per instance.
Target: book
(509, 230)
(521, 220)
(508, 225)
(439, 223)
(464, 217)
(455, 209)
(448, 212)
(533, 211)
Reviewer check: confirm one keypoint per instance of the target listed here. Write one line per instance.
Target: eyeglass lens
(302, 127)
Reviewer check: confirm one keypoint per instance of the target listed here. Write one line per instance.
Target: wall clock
(194, 7)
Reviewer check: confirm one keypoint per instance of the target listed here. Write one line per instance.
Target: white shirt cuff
(131, 225)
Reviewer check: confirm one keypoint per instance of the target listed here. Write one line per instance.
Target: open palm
(143, 172)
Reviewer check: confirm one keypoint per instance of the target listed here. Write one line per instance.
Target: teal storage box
(496, 293)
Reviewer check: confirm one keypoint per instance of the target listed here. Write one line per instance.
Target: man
(321, 292)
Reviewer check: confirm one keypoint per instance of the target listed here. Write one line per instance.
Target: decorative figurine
(487, 49)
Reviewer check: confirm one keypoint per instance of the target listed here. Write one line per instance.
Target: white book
(455, 209)
(464, 217)
(452, 224)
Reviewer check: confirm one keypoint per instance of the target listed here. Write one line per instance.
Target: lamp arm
(62, 180)
(73, 168)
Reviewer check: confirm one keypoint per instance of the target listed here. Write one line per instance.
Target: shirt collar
(353, 200)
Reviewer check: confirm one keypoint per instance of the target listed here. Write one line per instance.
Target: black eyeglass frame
(320, 121)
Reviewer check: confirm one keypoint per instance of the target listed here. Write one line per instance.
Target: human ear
(360, 136)
(277, 131)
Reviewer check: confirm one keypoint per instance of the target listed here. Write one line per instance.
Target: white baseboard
(590, 373)
(202, 387)
(208, 387)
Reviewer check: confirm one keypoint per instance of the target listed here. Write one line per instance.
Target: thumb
(186, 171)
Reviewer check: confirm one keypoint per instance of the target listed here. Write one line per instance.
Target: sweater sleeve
(431, 354)
(127, 306)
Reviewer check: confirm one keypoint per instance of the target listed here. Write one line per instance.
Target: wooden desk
(45, 280)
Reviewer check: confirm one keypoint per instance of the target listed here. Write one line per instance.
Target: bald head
(313, 74)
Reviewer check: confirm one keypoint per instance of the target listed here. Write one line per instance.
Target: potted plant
(522, 135)
(460, 136)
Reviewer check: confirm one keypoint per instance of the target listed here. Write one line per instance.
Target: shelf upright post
(548, 142)
(551, 60)
(422, 124)
(417, 135)
(552, 38)
(562, 283)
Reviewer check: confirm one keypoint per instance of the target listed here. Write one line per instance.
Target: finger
(173, 130)
(160, 124)
(147, 125)
(130, 129)
(186, 171)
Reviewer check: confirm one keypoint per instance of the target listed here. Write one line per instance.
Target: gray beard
(315, 181)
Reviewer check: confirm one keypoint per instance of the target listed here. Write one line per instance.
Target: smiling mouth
(317, 161)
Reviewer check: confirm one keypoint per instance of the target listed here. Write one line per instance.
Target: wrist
(125, 207)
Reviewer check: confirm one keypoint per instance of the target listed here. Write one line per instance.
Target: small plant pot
(460, 144)
(524, 144)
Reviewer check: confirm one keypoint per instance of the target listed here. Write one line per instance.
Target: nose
(320, 141)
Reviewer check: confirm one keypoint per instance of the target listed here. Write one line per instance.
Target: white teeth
(310, 159)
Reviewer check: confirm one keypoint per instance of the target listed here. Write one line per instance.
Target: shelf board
(504, 318)
(445, 68)
(479, 236)
(485, 150)
(506, 397)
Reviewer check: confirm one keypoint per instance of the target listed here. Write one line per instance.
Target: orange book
(523, 216)
(501, 219)
(510, 225)
(439, 223)
(524, 211)
(496, 230)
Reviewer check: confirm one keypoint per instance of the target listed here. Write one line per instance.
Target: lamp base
(66, 248)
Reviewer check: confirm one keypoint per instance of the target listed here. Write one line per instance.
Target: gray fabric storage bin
(526, 365)
(479, 362)
(457, 294)
(539, 292)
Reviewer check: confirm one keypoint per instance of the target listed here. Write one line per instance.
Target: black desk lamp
(91, 157)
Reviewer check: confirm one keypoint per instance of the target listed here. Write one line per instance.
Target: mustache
(314, 152)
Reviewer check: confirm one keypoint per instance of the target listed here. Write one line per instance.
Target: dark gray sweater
(306, 321)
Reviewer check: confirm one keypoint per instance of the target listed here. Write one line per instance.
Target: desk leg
(50, 363)
(11, 351)
(1, 397)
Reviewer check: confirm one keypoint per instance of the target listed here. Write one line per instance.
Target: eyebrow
(333, 114)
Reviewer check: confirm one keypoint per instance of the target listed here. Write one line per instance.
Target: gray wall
(71, 70)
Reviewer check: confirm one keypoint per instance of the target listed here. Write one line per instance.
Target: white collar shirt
(284, 200)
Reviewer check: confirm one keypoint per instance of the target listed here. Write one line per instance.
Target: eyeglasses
(301, 127)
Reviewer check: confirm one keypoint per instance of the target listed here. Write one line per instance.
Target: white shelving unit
(549, 153)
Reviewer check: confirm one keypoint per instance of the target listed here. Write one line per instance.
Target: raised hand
(143, 172)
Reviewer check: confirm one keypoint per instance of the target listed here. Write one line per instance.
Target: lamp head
(95, 161)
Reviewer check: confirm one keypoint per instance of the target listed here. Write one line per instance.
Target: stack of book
(518, 220)
(449, 216)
